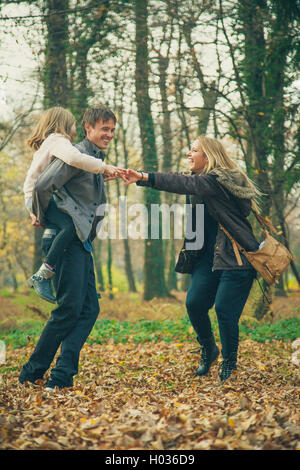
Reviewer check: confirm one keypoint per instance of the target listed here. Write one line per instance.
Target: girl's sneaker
(41, 283)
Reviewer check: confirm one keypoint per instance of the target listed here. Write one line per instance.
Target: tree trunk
(82, 94)
(255, 111)
(264, 70)
(186, 278)
(154, 281)
(121, 130)
(128, 266)
(172, 277)
(98, 264)
(169, 250)
(109, 268)
(57, 43)
(208, 91)
(56, 90)
(166, 124)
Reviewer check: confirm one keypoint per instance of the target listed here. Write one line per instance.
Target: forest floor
(146, 396)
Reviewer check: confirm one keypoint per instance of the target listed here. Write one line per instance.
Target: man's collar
(93, 149)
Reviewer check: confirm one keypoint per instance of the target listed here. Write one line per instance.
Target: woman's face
(197, 158)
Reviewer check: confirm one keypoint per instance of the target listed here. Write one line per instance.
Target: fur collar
(235, 182)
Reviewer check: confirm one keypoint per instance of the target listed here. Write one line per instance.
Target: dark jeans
(228, 291)
(66, 233)
(71, 321)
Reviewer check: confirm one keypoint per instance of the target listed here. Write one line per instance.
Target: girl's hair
(55, 120)
(217, 158)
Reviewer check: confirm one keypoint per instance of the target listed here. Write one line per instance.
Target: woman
(220, 276)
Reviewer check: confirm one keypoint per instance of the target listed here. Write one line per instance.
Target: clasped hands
(128, 176)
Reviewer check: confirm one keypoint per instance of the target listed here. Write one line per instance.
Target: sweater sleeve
(39, 163)
(62, 148)
(181, 184)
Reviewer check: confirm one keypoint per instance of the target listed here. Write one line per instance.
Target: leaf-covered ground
(146, 396)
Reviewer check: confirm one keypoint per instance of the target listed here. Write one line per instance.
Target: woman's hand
(133, 176)
(129, 176)
(112, 172)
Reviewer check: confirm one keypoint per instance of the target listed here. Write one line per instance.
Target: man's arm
(54, 177)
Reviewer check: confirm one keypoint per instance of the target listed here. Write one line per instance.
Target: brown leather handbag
(271, 260)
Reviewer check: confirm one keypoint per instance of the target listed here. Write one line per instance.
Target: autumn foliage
(146, 396)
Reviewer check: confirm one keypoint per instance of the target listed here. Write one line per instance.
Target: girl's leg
(41, 280)
(66, 234)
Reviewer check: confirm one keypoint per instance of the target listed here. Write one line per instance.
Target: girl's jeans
(66, 233)
(228, 291)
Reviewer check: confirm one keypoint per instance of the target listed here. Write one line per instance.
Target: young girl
(52, 138)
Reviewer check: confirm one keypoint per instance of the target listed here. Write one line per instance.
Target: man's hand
(35, 222)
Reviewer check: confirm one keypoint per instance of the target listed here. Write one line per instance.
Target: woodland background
(170, 70)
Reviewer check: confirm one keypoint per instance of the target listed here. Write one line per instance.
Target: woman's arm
(173, 183)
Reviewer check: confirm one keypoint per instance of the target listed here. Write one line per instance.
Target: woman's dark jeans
(66, 234)
(228, 291)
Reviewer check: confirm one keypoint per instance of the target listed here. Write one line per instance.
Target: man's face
(101, 134)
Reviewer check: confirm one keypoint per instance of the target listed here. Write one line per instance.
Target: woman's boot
(228, 366)
(210, 353)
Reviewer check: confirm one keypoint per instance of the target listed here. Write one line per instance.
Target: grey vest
(76, 192)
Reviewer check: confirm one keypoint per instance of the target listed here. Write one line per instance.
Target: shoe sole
(57, 388)
(31, 285)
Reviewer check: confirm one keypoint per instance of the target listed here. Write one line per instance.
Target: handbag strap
(236, 246)
(264, 221)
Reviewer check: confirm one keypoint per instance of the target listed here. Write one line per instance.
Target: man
(78, 193)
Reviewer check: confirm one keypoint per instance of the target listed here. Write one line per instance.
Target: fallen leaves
(146, 396)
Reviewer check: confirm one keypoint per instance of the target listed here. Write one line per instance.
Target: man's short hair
(94, 114)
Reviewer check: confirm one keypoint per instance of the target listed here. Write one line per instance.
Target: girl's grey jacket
(227, 197)
(78, 193)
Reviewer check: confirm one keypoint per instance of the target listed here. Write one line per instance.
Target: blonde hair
(217, 158)
(55, 120)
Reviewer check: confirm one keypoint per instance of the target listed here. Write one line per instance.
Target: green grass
(21, 300)
(283, 330)
(141, 331)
